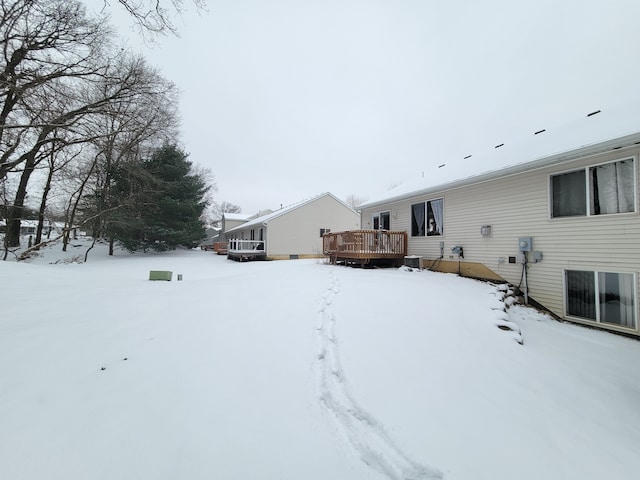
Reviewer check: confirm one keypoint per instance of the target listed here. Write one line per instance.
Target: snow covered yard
(299, 370)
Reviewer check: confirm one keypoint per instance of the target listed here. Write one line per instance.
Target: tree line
(92, 130)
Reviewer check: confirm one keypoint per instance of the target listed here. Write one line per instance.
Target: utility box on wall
(525, 244)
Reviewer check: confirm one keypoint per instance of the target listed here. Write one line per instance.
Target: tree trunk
(43, 205)
(65, 238)
(86, 254)
(71, 212)
(12, 236)
(45, 194)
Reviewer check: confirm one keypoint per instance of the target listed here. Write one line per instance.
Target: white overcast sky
(286, 99)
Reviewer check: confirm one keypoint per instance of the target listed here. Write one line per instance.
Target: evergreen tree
(163, 203)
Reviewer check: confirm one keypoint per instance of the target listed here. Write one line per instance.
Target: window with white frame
(381, 221)
(427, 218)
(603, 297)
(596, 190)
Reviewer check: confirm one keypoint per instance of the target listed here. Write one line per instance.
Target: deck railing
(240, 245)
(365, 244)
(220, 248)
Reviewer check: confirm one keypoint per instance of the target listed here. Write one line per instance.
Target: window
(602, 297)
(612, 188)
(382, 221)
(608, 188)
(427, 218)
(324, 230)
(569, 194)
(253, 234)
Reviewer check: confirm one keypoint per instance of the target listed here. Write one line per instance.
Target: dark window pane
(581, 294)
(417, 220)
(569, 194)
(617, 299)
(385, 221)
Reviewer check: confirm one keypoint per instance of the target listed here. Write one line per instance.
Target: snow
(299, 370)
(552, 142)
(237, 216)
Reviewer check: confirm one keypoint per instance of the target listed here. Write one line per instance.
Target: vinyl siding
(298, 231)
(517, 206)
(228, 224)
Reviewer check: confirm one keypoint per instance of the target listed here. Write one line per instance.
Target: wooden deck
(220, 248)
(365, 247)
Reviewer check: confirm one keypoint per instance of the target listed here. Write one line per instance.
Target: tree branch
(25, 254)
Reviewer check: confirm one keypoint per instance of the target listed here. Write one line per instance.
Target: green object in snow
(160, 275)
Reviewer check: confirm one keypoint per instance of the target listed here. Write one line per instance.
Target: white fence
(238, 245)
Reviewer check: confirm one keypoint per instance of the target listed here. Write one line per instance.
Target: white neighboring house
(556, 215)
(291, 232)
(232, 220)
(30, 227)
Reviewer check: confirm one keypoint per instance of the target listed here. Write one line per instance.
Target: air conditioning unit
(412, 261)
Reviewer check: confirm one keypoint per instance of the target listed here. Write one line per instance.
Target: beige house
(291, 232)
(556, 215)
(232, 220)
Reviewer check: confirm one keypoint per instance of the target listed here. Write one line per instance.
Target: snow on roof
(236, 216)
(597, 131)
(28, 223)
(270, 216)
(31, 223)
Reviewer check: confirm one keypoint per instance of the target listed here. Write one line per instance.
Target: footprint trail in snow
(364, 432)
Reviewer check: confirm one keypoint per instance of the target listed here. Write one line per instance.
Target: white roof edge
(270, 216)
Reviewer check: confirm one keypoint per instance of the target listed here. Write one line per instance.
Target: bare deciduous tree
(58, 73)
(354, 200)
(217, 209)
(129, 130)
(154, 16)
(122, 82)
(57, 158)
(69, 101)
(46, 46)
